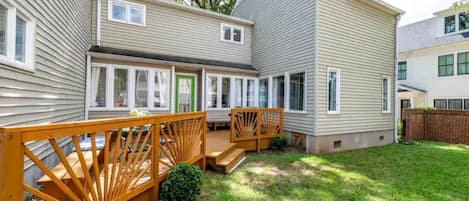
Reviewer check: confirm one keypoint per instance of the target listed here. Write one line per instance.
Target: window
(121, 93)
(239, 92)
(333, 90)
(402, 71)
(463, 63)
(445, 65)
(141, 89)
(297, 89)
(264, 93)
(251, 93)
(161, 92)
(98, 87)
(212, 86)
(463, 21)
(124, 87)
(278, 92)
(3, 30)
(225, 94)
(450, 24)
(16, 37)
(232, 33)
(466, 104)
(126, 12)
(441, 104)
(386, 95)
(455, 104)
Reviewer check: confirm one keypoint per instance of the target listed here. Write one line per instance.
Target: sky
(417, 10)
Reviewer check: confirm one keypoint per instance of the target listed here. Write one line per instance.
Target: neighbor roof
(424, 34)
(169, 58)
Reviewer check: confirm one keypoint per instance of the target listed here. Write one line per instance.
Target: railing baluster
(76, 143)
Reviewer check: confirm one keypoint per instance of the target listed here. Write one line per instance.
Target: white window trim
(286, 100)
(389, 94)
(458, 31)
(338, 90)
(232, 27)
(232, 90)
(131, 90)
(128, 6)
(9, 59)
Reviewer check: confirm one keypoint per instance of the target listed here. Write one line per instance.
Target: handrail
(256, 124)
(124, 168)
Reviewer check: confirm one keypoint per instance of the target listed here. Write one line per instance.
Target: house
(330, 65)
(433, 62)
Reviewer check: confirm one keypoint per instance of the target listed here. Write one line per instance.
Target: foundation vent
(337, 144)
(381, 138)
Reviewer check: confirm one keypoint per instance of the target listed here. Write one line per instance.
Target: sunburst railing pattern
(253, 128)
(116, 159)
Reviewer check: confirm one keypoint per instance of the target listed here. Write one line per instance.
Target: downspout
(396, 52)
(88, 86)
(98, 23)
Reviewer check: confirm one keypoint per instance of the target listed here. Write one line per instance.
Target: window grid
(446, 65)
(402, 71)
(463, 63)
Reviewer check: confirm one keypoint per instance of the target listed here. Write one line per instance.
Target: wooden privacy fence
(135, 157)
(254, 128)
(438, 125)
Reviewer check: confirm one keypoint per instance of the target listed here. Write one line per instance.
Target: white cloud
(417, 10)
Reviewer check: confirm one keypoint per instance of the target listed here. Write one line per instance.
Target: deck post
(258, 129)
(204, 142)
(156, 160)
(12, 165)
(232, 127)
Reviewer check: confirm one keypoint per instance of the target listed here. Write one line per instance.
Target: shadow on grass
(426, 171)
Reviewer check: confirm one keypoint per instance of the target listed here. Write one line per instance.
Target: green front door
(185, 93)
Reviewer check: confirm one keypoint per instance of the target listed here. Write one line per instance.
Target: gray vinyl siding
(171, 31)
(284, 41)
(55, 90)
(360, 41)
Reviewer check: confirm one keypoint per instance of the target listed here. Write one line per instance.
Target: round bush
(279, 142)
(182, 184)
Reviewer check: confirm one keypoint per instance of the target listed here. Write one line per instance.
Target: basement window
(337, 144)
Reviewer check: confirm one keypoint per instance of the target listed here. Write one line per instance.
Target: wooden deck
(222, 155)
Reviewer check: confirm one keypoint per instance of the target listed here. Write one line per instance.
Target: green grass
(425, 171)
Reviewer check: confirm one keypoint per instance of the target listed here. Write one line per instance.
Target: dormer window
(450, 24)
(232, 33)
(463, 21)
(126, 12)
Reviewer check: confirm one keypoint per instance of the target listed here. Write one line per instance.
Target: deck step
(232, 160)
(220, 153)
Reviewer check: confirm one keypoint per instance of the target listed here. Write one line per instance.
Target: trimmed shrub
(182, 184)
(279, 142)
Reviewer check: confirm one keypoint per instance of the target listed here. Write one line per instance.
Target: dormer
(452, 21)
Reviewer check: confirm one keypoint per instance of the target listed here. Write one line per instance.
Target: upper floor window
(16, 38)
(232, 33)
(402, 71)
(127, 12)
(446, 65)
(450, 24)
(463, 21)
(463, 63)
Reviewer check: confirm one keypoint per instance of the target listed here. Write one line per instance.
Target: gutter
(396, 55)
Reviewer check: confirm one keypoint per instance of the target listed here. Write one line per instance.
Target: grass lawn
(425, 171)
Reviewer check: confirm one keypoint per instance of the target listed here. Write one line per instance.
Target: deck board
(218, 142)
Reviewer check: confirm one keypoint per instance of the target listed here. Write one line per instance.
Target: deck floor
(218, 142)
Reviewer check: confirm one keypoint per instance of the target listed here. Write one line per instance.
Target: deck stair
(222, 155)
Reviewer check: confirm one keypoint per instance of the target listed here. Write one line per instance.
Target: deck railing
(135, 157)
(254, 128)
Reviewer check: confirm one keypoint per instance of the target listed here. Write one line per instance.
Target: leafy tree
(461, 4)
(220, 6)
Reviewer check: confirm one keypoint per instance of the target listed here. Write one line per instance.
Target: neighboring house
(42, 66)
(343, 53)
(434, 62)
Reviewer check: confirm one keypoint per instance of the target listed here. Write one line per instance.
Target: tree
(461, 4)
(219, 6)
